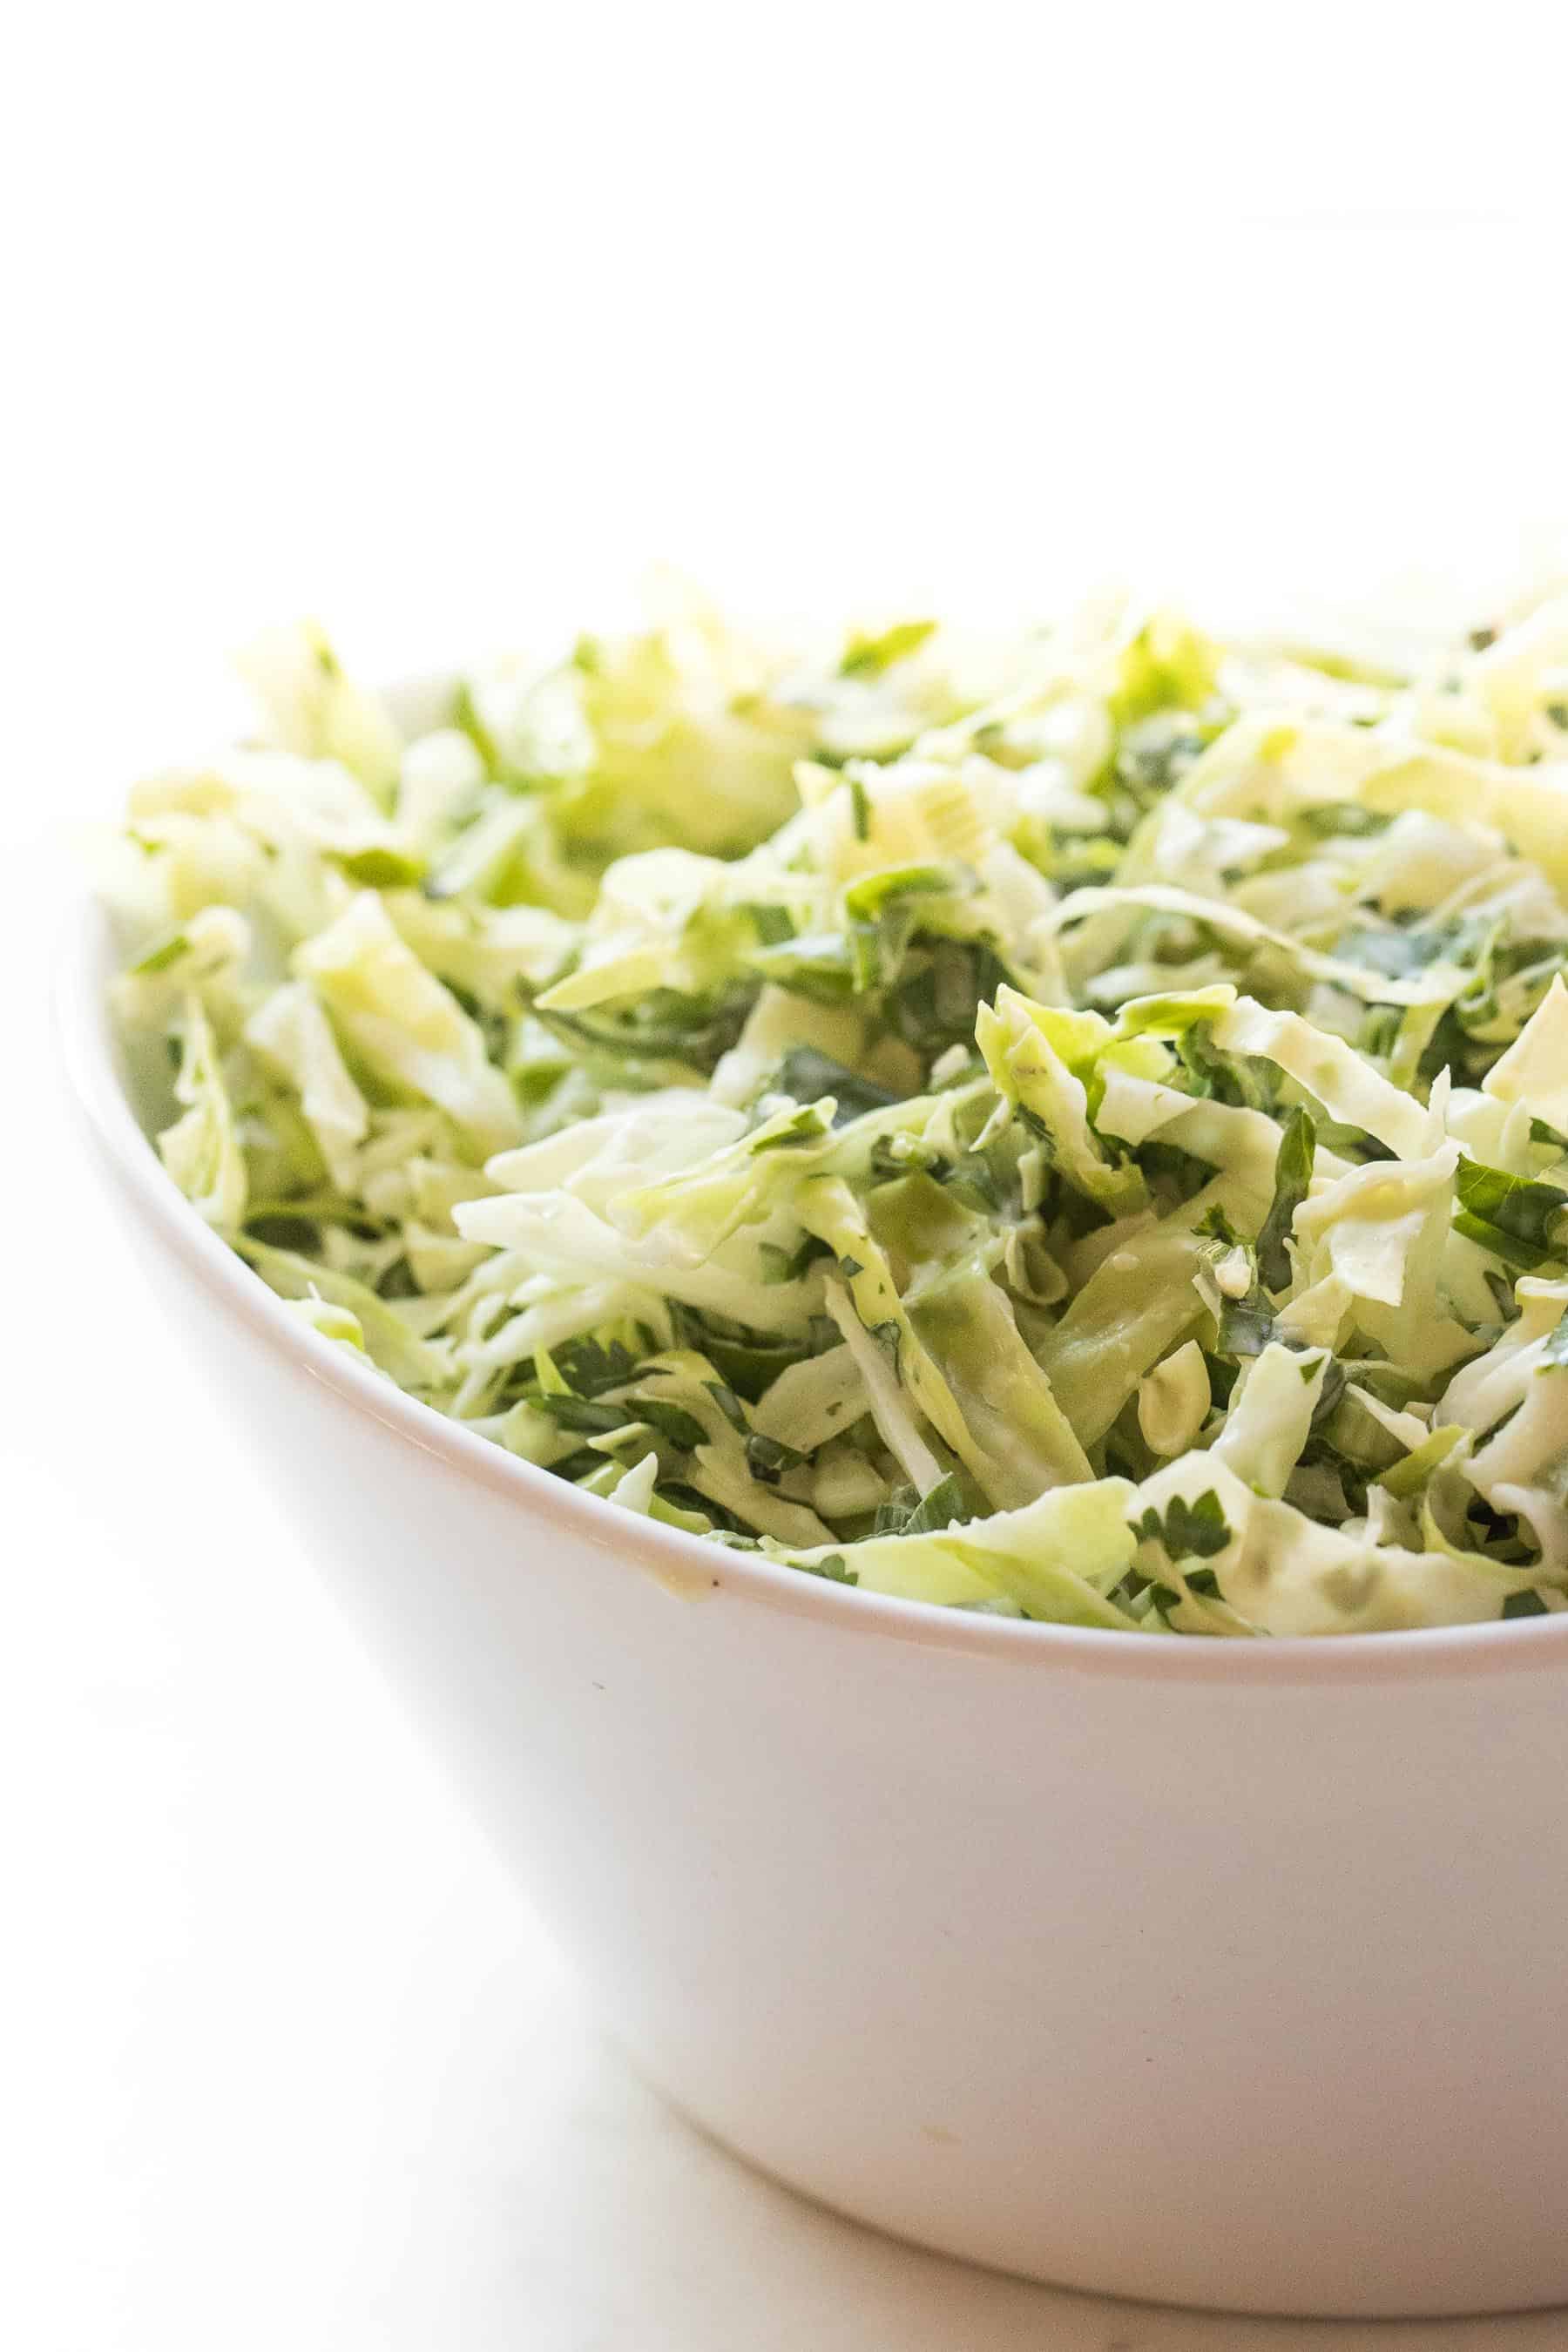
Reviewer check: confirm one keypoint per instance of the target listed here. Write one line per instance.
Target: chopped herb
(1292, 1182)
(589, 1367)
(870, 657)
(1247, 1325)
(1188, 1531)
(889, 1338)
(835, 1568)
(585, 1462)
(810, 1075)
(767, 1458)
(771, 924)
(1517, 1220)
(866, 899)
(160, 958)
(788, 1265)
(806, 1126)
(728, 1402)
(937, 1510)
(379, 868)
(1346, 818)
(679, 1428)
(583, 1415)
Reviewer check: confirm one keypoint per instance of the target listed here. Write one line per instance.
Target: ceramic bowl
(1216, 1973)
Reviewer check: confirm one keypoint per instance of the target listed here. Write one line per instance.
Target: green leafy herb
(160, 958)
(835, 1568)
(673, 1423)
(1519, 1220)
(584, 1415)
(728, 1402)
(808, 1075)
(870, 657)
(788, 1265)
(768, 1458)
(1292, 1182)
(807, 1126)
(937, 1510)
(1346, 818)
(589, 1367)
(1188, 1531)
(866, 900)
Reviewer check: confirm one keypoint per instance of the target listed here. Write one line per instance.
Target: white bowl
(1216, 1973)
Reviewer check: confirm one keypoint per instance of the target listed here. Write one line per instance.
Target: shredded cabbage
(1072, 1129)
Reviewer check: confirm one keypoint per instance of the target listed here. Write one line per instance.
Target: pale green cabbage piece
(404, 1024)
(202, 1150)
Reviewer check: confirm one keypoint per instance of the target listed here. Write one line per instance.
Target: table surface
(293, 2063)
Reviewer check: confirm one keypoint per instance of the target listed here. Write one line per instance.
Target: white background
(442, 324)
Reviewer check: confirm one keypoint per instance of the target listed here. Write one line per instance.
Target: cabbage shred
(1074, 1128)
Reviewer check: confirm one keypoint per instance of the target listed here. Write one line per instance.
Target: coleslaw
(1073, 1127)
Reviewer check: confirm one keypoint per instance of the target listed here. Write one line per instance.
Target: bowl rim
(687, 1563)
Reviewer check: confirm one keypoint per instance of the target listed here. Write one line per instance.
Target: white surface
(313, 314)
